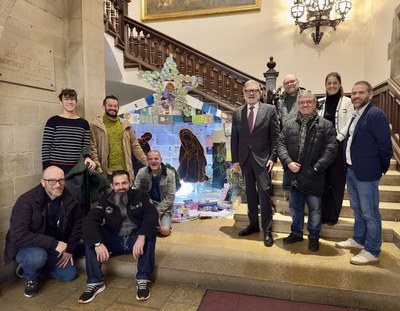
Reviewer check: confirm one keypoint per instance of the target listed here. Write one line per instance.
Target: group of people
(322, 144)
(48, 224)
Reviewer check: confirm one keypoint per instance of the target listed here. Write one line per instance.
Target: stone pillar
(85, 55)
(270, 82)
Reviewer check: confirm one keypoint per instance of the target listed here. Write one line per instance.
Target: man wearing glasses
(306, 147)
(254, 133)
(45, 229)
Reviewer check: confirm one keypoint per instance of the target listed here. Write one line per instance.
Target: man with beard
(368, 150)
(124, 222)
(159, 182)
(287, 109)
(45, 230)
(113, 141)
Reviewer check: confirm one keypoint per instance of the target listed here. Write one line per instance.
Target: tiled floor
(119, 295)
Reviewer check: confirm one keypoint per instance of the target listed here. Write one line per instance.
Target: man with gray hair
(255, 130)
(159, 182)
(306, 147)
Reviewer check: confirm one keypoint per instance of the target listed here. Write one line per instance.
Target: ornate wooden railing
(387, 97)
(147, 49)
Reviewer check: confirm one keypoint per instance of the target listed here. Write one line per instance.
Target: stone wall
(74, 31)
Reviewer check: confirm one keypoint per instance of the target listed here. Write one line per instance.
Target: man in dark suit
(255, 130)
(368, 150)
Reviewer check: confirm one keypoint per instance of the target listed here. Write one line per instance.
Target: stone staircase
(389, 192)
(209, 253)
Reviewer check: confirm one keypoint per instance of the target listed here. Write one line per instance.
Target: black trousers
(258, 183)
(335, 180)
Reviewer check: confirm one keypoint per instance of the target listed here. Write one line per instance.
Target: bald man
(45, 229)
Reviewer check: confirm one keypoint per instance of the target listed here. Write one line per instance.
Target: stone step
(391, 178)
(386, 193)
(389, 210)
(209, 253)
(342, 230)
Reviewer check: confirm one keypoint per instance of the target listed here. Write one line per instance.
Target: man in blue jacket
(368, 150)
(45, 230)
(124, 222)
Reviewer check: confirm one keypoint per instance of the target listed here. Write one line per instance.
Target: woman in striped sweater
(66, 136)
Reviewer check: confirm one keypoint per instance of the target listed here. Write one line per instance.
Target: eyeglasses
(306, 102)
(251, 91)
(53, 182)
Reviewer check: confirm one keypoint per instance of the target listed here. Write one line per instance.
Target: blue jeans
(118, 246)
(34, 259)
(364, 200)
(297, 201)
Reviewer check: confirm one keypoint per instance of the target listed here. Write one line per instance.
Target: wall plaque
(26, 62)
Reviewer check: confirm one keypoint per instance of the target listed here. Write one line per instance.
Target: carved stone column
(394, 47)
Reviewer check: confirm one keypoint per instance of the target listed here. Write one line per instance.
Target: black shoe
(143, 292)
(31, 288)
(313, 245)
(91, 292)
(292, 238)
(249, 230)
(268, 239)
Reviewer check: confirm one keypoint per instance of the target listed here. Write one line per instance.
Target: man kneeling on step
(124, 222)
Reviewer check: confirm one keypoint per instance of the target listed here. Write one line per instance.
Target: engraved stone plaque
(26, 62)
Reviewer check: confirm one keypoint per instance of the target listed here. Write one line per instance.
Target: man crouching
(124, 222)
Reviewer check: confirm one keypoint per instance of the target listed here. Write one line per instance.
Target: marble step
(391, 178)
(388, 210)
(209, 253)
(342, 230)
(386, 193)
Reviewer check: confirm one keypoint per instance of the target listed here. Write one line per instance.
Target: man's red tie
(250, 119)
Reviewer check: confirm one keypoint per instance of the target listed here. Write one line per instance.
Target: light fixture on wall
(318, 14)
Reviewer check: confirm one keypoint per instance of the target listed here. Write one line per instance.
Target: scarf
(304, 122)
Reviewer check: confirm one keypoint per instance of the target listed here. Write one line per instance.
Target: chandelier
(318, 14)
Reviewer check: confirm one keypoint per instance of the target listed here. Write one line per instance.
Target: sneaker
(292, 238)
(313, 245)
(31, 288)
(349, 243)
(143, 292)
(364, 258)
(91, 291)
(19, 270)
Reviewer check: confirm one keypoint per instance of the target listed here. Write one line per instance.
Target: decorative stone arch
(5, 9)
(394, 47)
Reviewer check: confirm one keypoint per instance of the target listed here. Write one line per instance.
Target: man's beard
(121, 200)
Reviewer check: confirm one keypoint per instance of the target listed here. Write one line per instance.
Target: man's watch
(97, 244)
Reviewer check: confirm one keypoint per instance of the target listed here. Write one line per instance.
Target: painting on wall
(166, 9)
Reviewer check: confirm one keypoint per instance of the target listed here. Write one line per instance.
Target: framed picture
(166, 9)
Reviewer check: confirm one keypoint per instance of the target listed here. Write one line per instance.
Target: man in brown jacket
(113, 141)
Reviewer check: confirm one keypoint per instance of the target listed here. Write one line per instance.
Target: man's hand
(64, 259)
(270, 165)
(236, 167)
(294, 167)
(61, 247)
(102, 253)
(137, 249)
(90, 163)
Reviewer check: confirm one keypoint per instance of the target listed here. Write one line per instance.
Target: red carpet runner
(224, 301)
